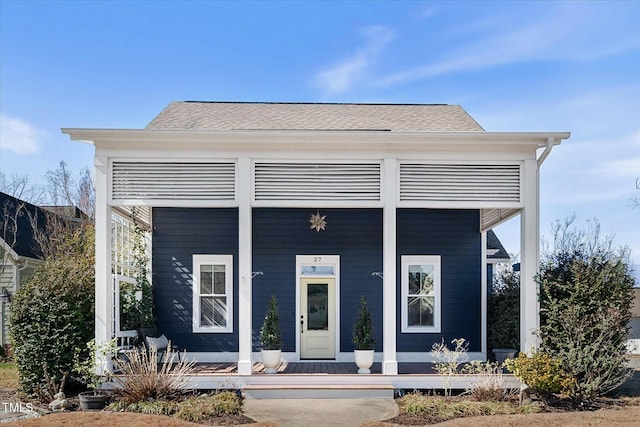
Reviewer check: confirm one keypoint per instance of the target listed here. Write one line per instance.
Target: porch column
(104, 305)
(389, 289)
(245, 328)
(529, 258)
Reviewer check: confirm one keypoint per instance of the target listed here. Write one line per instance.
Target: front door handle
(302, 324)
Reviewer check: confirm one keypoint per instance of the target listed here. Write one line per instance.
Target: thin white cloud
(19, 136)
(341, 77)
(623, 168)
(568, 34)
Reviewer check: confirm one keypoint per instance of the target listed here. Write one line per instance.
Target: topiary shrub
(270, 335)
(586, 292)
(52, 315)
(363, 328)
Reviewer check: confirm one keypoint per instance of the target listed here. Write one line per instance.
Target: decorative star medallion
(317, 222)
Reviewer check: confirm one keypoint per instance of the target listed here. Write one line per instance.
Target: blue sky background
(514, 66)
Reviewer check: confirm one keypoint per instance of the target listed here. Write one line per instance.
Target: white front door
(317, 318)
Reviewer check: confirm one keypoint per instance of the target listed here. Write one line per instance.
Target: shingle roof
(22, 237)
(198, 115)
(18, 219)
(494, 243)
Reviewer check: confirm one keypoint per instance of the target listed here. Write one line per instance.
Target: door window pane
(318, 307)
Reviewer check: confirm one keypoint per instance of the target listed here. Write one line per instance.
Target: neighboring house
(319, 204)
(496, 254)
(20, 254)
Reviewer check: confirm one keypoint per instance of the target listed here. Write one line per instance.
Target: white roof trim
(272, 138)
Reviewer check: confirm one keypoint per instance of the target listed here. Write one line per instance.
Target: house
(319, 204)
(496, 254)
(20, 255)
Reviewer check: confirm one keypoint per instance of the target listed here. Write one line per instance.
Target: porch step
(328, 391)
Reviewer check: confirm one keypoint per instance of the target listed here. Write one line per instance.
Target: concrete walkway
(319, 412)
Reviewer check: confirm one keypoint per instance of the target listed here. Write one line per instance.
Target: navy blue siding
(178, 234)
(281, 234)
(455, 236)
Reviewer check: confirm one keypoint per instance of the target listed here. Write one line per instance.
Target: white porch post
(529, 259)
(243, 195)
(104, 284)
(483, 295)
(389, 290)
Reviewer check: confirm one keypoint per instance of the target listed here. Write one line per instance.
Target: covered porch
(331, 379)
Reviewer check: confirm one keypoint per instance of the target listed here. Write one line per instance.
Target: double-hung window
(421, 293)
(212, 293)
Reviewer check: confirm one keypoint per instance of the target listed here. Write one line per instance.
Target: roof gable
(26, 216)
(196, 115)
(30, 221)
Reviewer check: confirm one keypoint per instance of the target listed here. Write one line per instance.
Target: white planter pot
(364, 360)
(502, 354)
(271, 360)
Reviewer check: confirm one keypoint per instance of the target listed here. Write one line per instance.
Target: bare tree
(64, 190)
(21, 187)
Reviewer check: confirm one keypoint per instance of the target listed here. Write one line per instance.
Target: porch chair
(148, 338)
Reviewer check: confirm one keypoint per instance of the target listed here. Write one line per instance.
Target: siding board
(454, 235)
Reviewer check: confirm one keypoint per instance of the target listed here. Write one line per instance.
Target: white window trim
(437, 279)
(199, 260)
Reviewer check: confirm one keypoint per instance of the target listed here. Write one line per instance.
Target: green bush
(586, 292)
(503, 311)
(363, 328)
(270, 333)
(542, 373)
(52, 315)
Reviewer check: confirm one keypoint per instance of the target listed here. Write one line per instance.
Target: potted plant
(271, 338)
(363, 338)
(93, 371)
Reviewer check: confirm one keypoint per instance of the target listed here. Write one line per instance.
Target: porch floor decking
(315, 368)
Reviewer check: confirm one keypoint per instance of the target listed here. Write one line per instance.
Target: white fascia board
(144, 138)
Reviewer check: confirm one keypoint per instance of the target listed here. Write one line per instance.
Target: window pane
(206, 311)
(421, 279)
(206, 279)
(420, 311)
(213, 311)
(318, 307)
(318, 270)
(219, 278)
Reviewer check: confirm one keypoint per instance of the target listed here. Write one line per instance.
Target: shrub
(489, 386)
(433, 409)
(141, 377)
(363, 328)
(52, 315)
(270, 333)
(446, 361)
(585, 306)
(543, 373)
(503, 311)
(193, 409)
(200, 408)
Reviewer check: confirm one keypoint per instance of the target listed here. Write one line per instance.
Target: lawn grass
(8, 376)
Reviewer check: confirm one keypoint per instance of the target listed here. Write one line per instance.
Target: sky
(514, 66)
